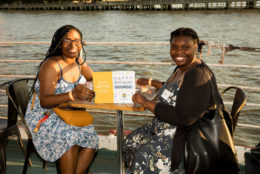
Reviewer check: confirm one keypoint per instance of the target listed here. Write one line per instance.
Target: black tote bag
(209, 144)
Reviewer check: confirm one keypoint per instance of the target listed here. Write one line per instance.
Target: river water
(237, 27)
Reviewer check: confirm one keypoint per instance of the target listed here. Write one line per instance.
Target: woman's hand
(139, 99)
(142, 81)
(82, 92)
(155, 83)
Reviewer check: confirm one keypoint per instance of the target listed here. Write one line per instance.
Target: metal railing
(130, 63)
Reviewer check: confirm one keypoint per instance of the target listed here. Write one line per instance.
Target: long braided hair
(55, 47)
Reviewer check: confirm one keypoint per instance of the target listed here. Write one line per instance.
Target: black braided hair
(188, 32)
(55, 47)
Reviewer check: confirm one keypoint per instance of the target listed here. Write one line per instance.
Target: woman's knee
(74, 148)
(72, 151)
(87, 150)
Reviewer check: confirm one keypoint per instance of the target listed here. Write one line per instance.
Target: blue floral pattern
(54, 136)
(148, 149)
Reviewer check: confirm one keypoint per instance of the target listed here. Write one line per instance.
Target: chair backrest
(238, 103)
(18, 96)
(11, 114)
(11, 111)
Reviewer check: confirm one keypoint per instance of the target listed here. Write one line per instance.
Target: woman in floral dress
(57, 82)
(158, 147)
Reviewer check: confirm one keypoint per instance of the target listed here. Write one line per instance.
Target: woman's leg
(69, 160)
(84, 159)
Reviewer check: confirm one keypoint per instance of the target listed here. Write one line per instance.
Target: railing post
(120, 138)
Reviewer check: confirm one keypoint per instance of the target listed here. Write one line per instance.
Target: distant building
(114, 0)
(86, 1)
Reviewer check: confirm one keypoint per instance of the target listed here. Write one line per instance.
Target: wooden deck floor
(104, 163)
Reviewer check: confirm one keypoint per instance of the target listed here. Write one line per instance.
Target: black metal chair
(8, 127)
(238, 103)
(18, 93)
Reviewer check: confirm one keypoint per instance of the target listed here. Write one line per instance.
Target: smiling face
(183, 50)
(71, 44)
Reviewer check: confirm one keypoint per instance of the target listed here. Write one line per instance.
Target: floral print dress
(54, 136)
(149, 148)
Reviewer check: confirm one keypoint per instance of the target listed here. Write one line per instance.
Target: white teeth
(179, 58)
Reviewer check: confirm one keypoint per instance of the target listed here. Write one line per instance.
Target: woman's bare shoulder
(50, 64)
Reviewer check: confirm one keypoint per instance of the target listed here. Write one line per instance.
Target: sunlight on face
(183, 50)
(71, 44)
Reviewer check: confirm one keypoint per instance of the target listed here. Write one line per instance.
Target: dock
(138, 5)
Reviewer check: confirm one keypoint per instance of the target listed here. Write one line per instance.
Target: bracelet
(150, 81)
(71, 96)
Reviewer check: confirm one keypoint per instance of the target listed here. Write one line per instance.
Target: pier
(139, 5)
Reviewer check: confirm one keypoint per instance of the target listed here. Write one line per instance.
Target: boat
(107, 154)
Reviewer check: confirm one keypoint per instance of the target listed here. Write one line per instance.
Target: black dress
(149, 148)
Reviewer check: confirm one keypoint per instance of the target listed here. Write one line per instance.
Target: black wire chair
(18, 93)
(8, 127)
(238, 104)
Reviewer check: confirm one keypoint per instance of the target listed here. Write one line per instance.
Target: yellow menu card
(114, 86)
